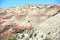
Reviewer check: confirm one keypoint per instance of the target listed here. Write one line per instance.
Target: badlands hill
(30, 22)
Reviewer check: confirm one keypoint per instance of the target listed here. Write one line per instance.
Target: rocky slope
(30, 22)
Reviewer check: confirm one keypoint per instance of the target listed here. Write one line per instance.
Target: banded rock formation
(30, 22)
